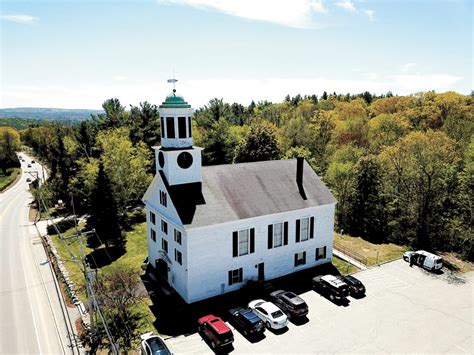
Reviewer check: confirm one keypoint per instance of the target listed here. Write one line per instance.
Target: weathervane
(173, 81)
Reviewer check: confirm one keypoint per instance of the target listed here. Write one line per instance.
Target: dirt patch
(455, 263)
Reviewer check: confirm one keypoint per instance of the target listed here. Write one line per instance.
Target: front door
(162, 269)
(261, 272)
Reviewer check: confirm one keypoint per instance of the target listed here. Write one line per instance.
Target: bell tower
(176, 157)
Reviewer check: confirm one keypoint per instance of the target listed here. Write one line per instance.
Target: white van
(424, 259)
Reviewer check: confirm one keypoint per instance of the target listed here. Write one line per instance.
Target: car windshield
(439, 261)
(225, 337)
(277, 314)
(157, 346)
(299, 306)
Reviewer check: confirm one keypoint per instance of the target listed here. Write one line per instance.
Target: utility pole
(93, 304)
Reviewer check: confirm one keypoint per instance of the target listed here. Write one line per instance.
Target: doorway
(162, 269)
(261, 272)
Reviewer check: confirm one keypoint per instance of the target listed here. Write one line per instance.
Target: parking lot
(406, 310)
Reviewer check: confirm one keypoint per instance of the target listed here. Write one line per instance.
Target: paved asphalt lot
(406, 310)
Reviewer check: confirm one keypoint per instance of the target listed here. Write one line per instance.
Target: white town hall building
(210, 229)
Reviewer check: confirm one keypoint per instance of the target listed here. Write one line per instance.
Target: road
(32, 318)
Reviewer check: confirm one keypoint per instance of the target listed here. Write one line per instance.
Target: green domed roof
(174, 100)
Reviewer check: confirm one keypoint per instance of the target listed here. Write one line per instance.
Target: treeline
(101, 166)
(401, 167)
(9, 145)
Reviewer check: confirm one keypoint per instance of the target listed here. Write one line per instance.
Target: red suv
(215, 331)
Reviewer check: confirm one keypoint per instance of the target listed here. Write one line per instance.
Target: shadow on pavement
(174, 317)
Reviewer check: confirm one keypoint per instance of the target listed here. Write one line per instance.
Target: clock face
(161, 159)
(185, 160)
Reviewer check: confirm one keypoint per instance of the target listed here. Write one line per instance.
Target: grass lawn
(136, 251)
(6, 180)
(368, 250)
(343, 267)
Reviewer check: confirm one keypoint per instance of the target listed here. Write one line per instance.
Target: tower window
(182, 127)
(170, 127)
(190, 129)
(162, 124)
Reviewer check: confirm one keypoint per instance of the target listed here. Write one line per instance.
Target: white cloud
(198, 92)
(25, 19)
(423, 82)
(407, 67)
(370, 14)
(294, 13)
(347, 5)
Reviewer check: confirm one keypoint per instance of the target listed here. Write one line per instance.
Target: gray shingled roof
(245, 190)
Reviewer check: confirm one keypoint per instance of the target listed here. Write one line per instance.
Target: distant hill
(49, 114)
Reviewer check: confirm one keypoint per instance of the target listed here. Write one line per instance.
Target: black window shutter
(235, 244)
(270, 236)
(296, 259)
(324, 252)
(230, 277)
(304, 257)
(297, 231)
(285, 233)
(241, 276)
(252, 240)
(311, 228)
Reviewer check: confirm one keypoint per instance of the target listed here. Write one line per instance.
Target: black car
(356, 288)
(331, 286)
(246, 321)
(290, 303)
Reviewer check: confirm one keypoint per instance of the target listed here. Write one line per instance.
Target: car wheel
(331, 297)
(246, 333)
(268, 325)
(213, 345)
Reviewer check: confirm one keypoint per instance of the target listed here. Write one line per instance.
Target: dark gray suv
(290, 303)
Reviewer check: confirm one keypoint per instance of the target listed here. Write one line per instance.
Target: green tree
(219, 144)
(126, 166)
(104, 213)
(415, 169)
(261, 143)
(9, 145)
(341, 179)
(367, 215)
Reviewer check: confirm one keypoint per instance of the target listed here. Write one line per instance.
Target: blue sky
(76, 54)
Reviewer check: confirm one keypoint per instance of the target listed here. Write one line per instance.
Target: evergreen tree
(367, 216)
(103, 213)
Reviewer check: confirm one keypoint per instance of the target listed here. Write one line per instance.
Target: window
(170, 127)
(300, 258)
(182, 127)
(320, 253)
(277, 235)
(162, 124)
(304, 229)
(178, 257)
(235, 276)
(152, 218)
(243, 242)
(153, 234)
(190, 129)
(164, 245)
(177, 236)
(163, 198)
(164, 227)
